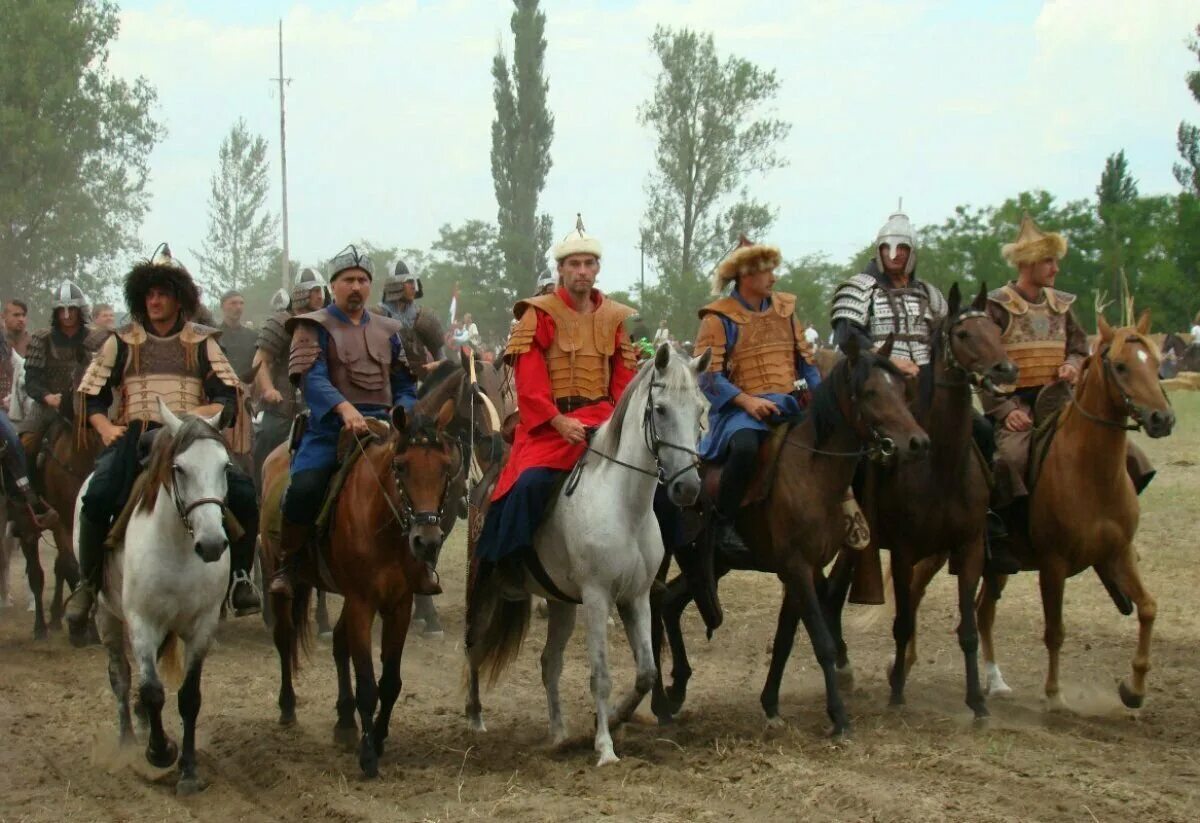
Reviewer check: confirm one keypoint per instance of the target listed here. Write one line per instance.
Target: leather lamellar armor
(579, 357)
(763, 360)
(359, 357)
(158, 367)
(1036, 336)
(275, 343)
(60, 365)
(909, 314)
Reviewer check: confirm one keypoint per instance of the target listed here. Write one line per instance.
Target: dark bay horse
(966, 352)
(1084, 510)
(859, 410)
(394, 494)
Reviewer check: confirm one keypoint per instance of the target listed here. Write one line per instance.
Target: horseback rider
(1048, 345)
(237, 339)
(421, 333)
(571, 360)
(13, 464)
(350, 364)
(280, 400)
(160, 355)
(56, 358)
(761, 364)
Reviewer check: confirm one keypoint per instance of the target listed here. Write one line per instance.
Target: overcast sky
(390, 108)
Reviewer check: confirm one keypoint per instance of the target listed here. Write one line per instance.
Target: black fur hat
(164, 271)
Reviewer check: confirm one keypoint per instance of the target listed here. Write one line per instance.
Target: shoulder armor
(937, 301)
(783, 303)
(95, 377)
(1059, 301)
(852, 300)
(711, 336)
(133, 334)
(305, 348)
(95, 338)
(1007, 298)
(520, 339)
(297, 321)
(272, 339)
(35, 354)
(727, 307)
(195, 332)
(219, 362)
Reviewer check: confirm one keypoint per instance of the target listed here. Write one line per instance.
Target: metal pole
(285, 265)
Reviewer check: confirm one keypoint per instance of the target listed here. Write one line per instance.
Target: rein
(1131, 408)
(183, 510)
(406, 517)
(970, 377)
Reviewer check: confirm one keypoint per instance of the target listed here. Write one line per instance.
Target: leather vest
(274, 342)
(359, 357)
(1036, 336)
(580, 356)
(163, 367)
(61, 365)
(763, 359)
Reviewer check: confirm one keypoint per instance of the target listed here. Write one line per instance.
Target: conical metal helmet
(306, 281)
(897, 231)
(69, 294)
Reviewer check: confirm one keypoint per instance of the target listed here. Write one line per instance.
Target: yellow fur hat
(747, 258)
(1033, 244)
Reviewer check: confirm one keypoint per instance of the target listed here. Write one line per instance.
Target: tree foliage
(711, 138)
(1188, 136)
(521, 137)
(74, 146)
(241, 230)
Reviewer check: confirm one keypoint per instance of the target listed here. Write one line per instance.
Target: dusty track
(927, 761)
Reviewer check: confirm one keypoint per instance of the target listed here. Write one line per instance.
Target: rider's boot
(243, 594)
(43, 516)
(293, 538)
(998, 546)
(425, 581)
(91, 567)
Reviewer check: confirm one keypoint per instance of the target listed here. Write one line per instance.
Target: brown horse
(858, 410)
(1083, 509)
(967, 352)
(64, 463)
(394, 494)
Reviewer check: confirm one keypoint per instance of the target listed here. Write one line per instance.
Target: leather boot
(866, 587)
(425, 581)
(91, 570)
(998, 546)
(293, 538)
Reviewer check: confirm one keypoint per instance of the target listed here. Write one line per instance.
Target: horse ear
(954, 299)
(170, 420)
(700, 364)
(663, 356)
(1143, 323)
(214, 421)
(399, 418)
(885, 351)
(1106, 332)
(445, 414)
(980, 303)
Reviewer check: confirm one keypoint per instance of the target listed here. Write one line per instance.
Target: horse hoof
(189, 786)
(436, 634)
(287, 719)
(1055, 703)
(1129, 698)
(165, 758)
(368, 762)
(841, 735)
(476, 724)
(40, 633)
(607, 758)
(345, 736)
(327, 634)
(845, 676)
(775, 722)
(896, 700)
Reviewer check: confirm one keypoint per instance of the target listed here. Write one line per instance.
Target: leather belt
(570, 404)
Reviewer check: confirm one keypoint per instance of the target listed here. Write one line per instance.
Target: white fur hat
(577, 242)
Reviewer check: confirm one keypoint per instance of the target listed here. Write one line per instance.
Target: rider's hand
(759, 408)
(54, 401)
(352, 418)
(571, 429)
(907, 367)
(110, 432)
(1018, 420)
(272, 396)
(1068, 372)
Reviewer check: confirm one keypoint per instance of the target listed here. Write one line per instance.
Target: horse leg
(837, 588)
(636, 618)
(968, 632)
(37, 581)
(66, 570)
(595, 607)
(345, 731)
(427, 615)
(1052, 580)
(559, 627)
(985, 612)
(161, 751)
(189, 710)
(284, 634)
(395, 632)
(323, 629)
(675, 600)
(1124, 572)
(358, 616)
(120, 675)
(902, 626)
(922, 574)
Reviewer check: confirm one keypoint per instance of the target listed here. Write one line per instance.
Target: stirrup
(242, 577)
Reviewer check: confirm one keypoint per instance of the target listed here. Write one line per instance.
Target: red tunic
(537, 444)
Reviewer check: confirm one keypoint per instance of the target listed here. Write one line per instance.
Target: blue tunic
(318, 446)
(726, 419)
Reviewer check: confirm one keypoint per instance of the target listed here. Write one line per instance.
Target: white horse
(166, 583)
(600, 544)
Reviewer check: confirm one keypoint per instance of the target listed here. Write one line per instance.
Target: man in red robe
(571, 359)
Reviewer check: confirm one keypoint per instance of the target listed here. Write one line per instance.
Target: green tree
(469, 258)
(75, 143)
(1188, 136)
(712, 135)
(241, 231)
(812, 279)
(521, 137)
(1117, 207)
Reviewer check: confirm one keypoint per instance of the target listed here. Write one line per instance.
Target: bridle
(879, 449)
(185, 509)
(969, 377)
(406, 515)
(1131, 409)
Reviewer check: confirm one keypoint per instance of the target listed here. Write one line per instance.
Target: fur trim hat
(1033, 244)
(162, 271)
(746, 258)
(577, 242)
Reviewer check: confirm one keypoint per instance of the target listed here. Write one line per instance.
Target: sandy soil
(927, 761)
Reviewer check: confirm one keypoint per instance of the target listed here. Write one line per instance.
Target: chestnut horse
(858, 410)
(1083, 511)
(394, 494)
(966, 352)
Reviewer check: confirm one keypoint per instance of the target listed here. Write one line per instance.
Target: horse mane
(608, 437)
(438, 376)
(439, 387)
(159, 472)
(824, 408)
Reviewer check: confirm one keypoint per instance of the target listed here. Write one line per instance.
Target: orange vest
(763, 360)
(1036, 336)
(579, 357)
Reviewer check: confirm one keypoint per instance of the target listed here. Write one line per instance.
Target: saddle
(1047, 409)
(764, 477)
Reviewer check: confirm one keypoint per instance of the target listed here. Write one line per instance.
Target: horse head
(871, 395)
(427, 458)
(1129, 366)
(675, 412)
(969, 342)
(192, 466)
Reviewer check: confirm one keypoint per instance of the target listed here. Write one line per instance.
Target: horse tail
(301, 634)
(170, 661)
(496, 628)
(870, 616)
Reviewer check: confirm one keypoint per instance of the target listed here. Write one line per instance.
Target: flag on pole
(454, 305)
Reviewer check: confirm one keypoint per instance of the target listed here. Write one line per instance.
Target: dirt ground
(927, 761)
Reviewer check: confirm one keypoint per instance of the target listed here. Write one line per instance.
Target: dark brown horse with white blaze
(858, 410)
(1084, 510)
(394, 494)
(966, 352)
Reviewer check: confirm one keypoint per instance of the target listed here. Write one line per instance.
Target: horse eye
(1120, 367)
(869, 394)
(178, 469)
(660, 409)
(962, 335)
